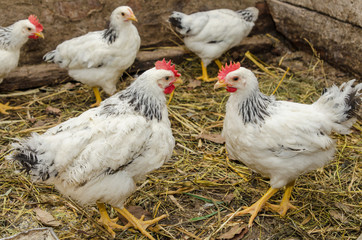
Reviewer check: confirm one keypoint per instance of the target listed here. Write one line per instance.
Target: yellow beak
(133, 18)
(39, 34)
(219, 84)
(178, 81)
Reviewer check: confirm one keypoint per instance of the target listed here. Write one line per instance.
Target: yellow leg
(256, 207)
(171, 96)
(5, 107)
(217, 61)
(139, 223)
(285, 204)
(205, 76)
(107, 222)
(98, 97)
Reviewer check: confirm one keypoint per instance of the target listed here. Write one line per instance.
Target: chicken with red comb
(282, 139)
(12, 38)
(99, 156)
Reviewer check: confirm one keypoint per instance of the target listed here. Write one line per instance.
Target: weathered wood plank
(32, 76)
(338, 42)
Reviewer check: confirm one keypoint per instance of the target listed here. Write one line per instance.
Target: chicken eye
(167, 78)
(235, 78)
(29, 29)
(122, 14)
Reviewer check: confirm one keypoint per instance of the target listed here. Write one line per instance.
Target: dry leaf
(39, 123)
(44, 233)
(216, 138)
(46, 218)
(228, 198)
(53, 111)
(237, 232)
(338, 215)
(194, 83)
(68, 86)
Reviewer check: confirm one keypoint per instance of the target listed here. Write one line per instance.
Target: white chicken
(99, 58)
(98, 156)
(280, 139)
(210, 34)
(12, 38)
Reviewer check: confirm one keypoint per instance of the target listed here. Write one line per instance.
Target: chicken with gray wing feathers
(12, 38)
(209, 34)
(98, 156)
(99, 58)
(280, 139)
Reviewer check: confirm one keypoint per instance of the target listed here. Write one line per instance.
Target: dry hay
(197, 187)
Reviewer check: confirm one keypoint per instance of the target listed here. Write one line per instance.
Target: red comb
(34, 20)
(225, 70)
(167, 66)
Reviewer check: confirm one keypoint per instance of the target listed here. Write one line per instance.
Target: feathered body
(99, 155)
(12, 38)
(280, 139)
(99, 58)
(209, 34)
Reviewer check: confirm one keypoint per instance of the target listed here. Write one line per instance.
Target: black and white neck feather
(110, 35)
(5, 37)
(254, 108)
(147, 99)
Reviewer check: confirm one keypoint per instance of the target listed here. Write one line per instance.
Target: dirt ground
(197, 188)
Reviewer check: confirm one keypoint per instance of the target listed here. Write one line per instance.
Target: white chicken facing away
(280, 139)
(99, 58)
(98, 156)
(12, 38)
(210, 34)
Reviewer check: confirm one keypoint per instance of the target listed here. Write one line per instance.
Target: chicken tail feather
(30, 159)
(249, 14)
(341, 104)
(49, 57)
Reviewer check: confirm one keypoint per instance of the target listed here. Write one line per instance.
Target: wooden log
(338, 42)
(343, 10)
(32, 76)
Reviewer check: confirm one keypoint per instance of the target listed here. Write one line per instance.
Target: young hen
(98, 156)
(280, 139)
(210, 34)
(12, 38)
(99, 58)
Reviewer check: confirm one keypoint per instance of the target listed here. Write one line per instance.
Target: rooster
(210, 34)
(98, 156)
(99, 58)
(12, 38)
(280, 139)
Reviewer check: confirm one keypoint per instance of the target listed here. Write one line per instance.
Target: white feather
(95, 61)
(291, 138)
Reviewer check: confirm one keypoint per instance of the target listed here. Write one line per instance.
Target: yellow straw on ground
(257, 63)
(281, 80)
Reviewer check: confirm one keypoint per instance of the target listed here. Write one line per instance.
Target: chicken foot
(139, 224)
(5, 107)
(205, 76)
(107, 222)
(285, 204)
(256, 207)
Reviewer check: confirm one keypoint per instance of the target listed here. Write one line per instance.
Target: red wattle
(231, 89)
(169, 89)
(33, 37)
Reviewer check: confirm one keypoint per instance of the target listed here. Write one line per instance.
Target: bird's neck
(141, 101)
(252, 108)
(14, 37)
(112, 33)
(10, 39)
